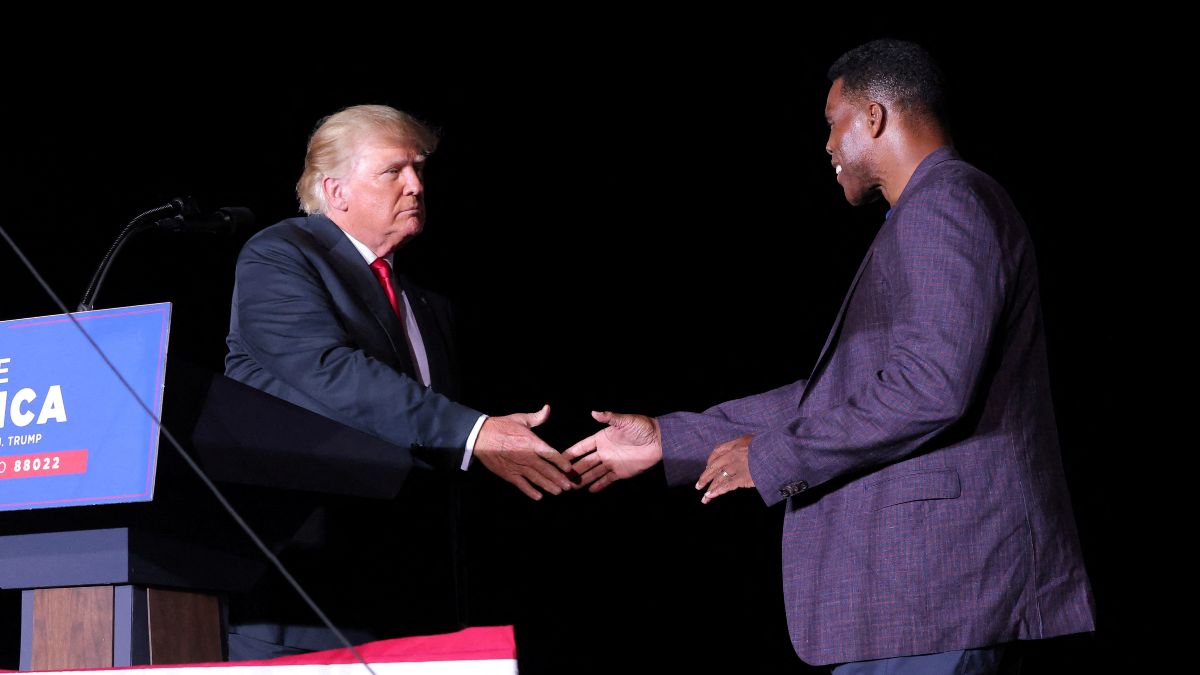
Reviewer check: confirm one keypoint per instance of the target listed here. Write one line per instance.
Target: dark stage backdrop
(644, 223)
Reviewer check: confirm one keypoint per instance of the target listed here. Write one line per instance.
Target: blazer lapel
(837, 324)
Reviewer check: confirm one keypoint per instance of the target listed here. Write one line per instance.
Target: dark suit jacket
(927, 509)
(311, 325)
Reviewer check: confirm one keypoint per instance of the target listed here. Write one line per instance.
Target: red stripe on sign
(57, 463)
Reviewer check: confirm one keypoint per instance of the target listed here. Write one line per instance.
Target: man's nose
(413, 184)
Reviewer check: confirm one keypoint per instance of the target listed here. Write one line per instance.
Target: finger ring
(726, 473)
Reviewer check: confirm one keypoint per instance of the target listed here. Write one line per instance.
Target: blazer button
(793, 489)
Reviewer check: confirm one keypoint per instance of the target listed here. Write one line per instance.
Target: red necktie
(383, 272)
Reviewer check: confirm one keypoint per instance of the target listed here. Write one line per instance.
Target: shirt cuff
(470, 450)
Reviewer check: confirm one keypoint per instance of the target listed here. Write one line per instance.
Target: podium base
(118, 625)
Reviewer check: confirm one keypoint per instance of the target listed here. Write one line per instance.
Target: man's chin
(402, 234)
(413, 224)
(863, 198)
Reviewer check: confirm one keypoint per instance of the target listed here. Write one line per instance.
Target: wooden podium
(116, 597)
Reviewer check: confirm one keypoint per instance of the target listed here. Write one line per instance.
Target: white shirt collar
(366, 253)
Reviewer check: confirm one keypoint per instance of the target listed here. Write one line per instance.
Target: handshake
(629, 445)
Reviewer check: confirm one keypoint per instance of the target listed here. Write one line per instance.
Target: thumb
(538, 418)
(621, 421)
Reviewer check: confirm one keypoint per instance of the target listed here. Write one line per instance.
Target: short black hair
(896, 71)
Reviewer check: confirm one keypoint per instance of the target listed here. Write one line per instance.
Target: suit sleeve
(290, 327)
(689, 438)
(947, 294)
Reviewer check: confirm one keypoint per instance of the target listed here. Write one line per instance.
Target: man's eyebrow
(416, 160)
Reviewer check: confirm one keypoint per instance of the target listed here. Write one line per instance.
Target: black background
(643, 220)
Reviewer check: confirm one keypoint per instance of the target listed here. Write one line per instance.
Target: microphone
(223, 220)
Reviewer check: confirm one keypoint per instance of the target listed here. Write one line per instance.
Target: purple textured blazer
(927, 509)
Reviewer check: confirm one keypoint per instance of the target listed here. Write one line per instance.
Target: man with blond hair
(321, 318)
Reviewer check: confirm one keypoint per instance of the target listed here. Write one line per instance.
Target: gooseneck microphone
(178, 215)
(222, 221)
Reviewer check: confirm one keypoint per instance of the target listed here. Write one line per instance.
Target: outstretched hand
(508, 447)
(629, 445)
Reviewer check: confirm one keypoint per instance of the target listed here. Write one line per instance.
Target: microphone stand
(182, 206)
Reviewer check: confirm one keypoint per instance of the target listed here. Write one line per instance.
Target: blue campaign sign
(70, 432)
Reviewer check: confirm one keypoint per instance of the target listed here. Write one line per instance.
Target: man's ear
(335, 193)
(876, 118)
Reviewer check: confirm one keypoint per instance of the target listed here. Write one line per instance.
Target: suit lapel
(431, 334)
(837, 323)
(358, 278)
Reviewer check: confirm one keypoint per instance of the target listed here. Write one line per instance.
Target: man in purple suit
(928, 524)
